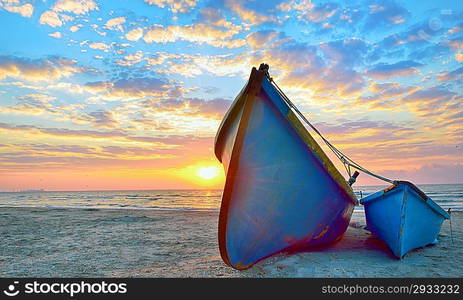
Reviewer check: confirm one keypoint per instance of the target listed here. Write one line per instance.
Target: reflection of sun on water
(208, 173)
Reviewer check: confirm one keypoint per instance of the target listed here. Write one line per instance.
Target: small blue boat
(281, 191)
(403, 217)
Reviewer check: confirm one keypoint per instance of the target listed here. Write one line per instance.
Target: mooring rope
(347, 162)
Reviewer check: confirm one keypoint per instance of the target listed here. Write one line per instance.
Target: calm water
(446, 195)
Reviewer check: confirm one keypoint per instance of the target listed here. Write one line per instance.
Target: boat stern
(403, 217)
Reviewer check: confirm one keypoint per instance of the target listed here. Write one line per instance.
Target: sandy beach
(40, 242)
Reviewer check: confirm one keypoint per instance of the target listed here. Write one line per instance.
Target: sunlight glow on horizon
(208, 172)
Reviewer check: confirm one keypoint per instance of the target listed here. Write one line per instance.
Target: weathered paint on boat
(281, 191)
(403, 217)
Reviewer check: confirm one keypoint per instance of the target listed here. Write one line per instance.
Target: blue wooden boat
(403, 217)
(281, 191)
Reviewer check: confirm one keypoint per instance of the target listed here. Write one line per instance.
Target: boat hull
(281, 191)
(403, 217)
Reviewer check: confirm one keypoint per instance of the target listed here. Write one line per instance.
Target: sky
(128, 94)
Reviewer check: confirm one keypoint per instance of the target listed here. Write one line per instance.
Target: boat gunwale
(431, 203)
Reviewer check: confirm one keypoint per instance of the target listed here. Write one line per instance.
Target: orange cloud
(307, 11)
(250, 16)
(78, 7)
(56, 34)
(134, 88)
(452, 75)
(130, 59)
(134, 34)
(38, 69)
(115, 23)
(259, 39)
(99, 46)
(25, 10)
(50, 18)
(196, 33)
(175, 6)
(402, 68)
(215, 17)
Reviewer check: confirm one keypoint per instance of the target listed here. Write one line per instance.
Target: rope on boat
(347, 162)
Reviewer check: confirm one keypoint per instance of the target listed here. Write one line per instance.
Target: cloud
(56, 34)
(101, 118)
(258, 39)
(182, 69)
(31, 104)
(45, 105)
(176, 115)
(390, 89)
(432, 173)
(401, 68)
(456, 44)
(455, 29)
(385, 13)
(317, 13)
(134, 34)
(430, 94)
(75, 28)
(130, 59)
(456, 74)
(99, 46)
(354, 131)
(252, 17)
(56, 18)
(35, 154)
(175, 6)
(416, 37)
(78, 7)
(214, 108)
(302, 5)
(25, 10)
(187, 65)
(192, 107)
(115, 23)
(215, 17)
(137, 87)
(429, 101)
(50, 18)
(159, 58)
(195, 33)
(386, 96)
(116, 137)
(36, 99)
(345, 53)
(38, 69)
(326, 70)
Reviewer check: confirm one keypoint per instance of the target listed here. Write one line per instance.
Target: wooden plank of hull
(280, 191)
(403, 217)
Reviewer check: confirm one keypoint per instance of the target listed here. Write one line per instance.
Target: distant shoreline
(197, 189)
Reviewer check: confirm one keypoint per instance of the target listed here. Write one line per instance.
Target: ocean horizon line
(191, 189)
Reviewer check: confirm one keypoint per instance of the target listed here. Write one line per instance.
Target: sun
(208, 173)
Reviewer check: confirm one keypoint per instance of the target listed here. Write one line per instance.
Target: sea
(446, 195)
